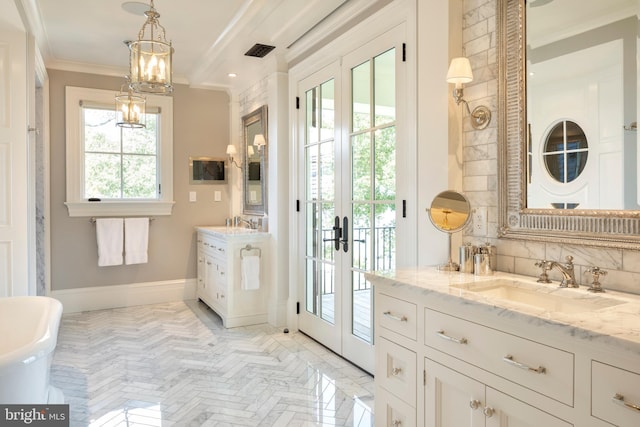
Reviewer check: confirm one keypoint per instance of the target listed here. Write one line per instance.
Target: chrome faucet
(568, 274)
(249, 223)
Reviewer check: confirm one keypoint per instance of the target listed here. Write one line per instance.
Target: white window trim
(76, 204)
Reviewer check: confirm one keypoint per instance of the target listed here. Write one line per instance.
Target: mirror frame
(602, 228)
(260, 114)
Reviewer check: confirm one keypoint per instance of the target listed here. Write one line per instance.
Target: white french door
(347, 161)
(15, 189)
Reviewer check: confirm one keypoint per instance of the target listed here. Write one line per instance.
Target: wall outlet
(217, 196)
(479, 221)
(192, 196)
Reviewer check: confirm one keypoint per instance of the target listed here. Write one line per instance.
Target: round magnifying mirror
(450, 211)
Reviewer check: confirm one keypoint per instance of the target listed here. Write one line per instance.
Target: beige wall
(481, 171)
(201, 128)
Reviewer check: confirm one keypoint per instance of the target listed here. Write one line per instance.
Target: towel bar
(250, 248)
(93, 219)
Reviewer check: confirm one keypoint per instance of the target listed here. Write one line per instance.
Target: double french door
(347, 144)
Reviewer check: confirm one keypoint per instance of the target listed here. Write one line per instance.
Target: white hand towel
(250, 272)
(136, 240)
(109, 236)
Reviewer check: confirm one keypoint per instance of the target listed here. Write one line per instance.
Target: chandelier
(150, 57)
(130, 109)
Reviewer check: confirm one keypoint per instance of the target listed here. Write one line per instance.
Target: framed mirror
(568, 97)
(254, 144)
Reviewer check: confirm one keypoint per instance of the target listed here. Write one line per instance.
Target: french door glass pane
(361, 307)
(385, 164)
(384, 87)
(384, 245)
(327, 126)
(312, 231)
(311, 172)
(327, 171)
(361, 166)
(361, 97)
(311, 286)
(361, 246)
(327, 309)
(311, 123)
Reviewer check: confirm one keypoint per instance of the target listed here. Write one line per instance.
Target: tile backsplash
(480, 172)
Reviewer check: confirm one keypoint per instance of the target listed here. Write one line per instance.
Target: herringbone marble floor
(175, 365)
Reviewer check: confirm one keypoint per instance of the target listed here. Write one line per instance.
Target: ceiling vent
(259, 50)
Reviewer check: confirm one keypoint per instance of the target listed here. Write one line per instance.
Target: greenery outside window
(128, 170)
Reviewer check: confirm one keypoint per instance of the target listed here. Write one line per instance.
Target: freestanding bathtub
(28, 336)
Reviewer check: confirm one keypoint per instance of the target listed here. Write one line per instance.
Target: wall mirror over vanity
(255, 147)
(569, 95)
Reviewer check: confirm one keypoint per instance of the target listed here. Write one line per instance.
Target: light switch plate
(217, 196)
(192, 196)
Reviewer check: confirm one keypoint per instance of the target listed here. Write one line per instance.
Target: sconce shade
(231, 150)
(259, 141)
(250, 151)
(130, 110)
(460, 71)
(150, 57)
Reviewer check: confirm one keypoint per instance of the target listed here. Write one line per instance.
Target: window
(122, 171)
(565, 151)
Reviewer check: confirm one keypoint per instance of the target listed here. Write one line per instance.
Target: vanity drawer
(397, 315)
(546, 370)
(615, 395)
(396, 370)
(391, 411)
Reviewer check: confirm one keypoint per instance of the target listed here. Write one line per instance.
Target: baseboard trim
(129, 295)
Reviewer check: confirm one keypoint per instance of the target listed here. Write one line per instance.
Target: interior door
(14, 165)
(348, 133)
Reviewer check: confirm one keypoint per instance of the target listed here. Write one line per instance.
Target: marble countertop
(224, 231)
(611, 318)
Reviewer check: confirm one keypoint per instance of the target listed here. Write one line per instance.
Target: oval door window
(565, 151)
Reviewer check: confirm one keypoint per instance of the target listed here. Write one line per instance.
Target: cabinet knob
(488, 411)
(474, 404)
(208, 262)
(396, 423)
(396, 371)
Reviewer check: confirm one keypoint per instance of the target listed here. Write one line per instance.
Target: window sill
(120, 208)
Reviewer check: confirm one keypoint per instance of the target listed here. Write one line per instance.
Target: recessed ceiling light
(135, 7)
(232, 75)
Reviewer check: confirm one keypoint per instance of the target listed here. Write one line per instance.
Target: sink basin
(542, 297)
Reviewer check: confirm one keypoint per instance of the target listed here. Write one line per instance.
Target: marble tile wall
(480, 169)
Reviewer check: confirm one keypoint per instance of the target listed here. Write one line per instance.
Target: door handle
(345, 233)
(337, 233)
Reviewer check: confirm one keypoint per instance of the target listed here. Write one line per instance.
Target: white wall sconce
(460, 73)
(231, 151)
(259, 141)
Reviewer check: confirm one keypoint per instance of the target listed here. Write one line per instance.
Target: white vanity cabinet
(443, 360)
(219, 285)
(453, 399)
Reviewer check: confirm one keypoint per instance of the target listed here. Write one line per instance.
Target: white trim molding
(130, 295)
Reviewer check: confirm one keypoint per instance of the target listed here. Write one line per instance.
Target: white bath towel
(136, 240)
(109, 236)
(250, 272)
